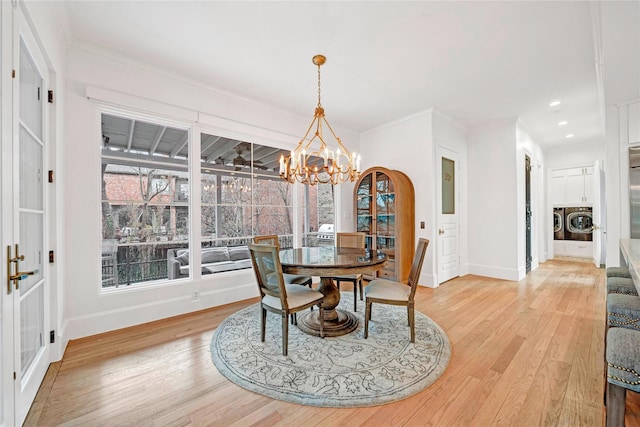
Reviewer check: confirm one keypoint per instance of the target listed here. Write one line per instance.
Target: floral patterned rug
(346, 371)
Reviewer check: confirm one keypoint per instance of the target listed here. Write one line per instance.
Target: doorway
(527, 192)
(448, 205)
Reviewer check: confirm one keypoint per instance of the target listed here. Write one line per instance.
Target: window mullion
(297, 215)
(195, 202)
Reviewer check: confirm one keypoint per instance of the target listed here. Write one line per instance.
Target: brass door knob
(440, 231)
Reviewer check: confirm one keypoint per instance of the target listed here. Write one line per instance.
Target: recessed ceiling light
(563, 123)
(569, 135)
(554, 103)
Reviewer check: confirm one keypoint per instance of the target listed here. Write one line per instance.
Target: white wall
(614, 192)
(574, 155)
(493, 200)
(617, 182)
(406, 145)
(152, 91)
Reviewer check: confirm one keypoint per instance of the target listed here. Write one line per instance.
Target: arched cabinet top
(384, 208)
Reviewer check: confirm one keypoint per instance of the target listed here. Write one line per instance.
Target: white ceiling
(476, 61)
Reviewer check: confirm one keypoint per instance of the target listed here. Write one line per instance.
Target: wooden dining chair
(289, 279)
(351, 240)
(385, 291)
(278, 297)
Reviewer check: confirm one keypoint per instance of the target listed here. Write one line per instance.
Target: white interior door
(597, 214)
(23, 223)
(6, 313)
(448, 195)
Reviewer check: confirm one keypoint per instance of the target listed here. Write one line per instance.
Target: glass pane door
(447, 239)
(31, 213)
(30, 296)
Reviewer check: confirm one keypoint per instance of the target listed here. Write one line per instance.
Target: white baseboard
(495, 272)
(464, 269)
(109, 320)
(535, 263)
(428, 280)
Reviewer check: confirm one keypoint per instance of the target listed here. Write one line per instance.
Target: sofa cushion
(182, 255)
(211, 255)
(219, 267)
(242, 263)
(237, 253)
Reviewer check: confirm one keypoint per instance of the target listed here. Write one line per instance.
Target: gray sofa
(214, 260)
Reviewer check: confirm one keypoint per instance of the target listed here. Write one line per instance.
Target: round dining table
(327, 262)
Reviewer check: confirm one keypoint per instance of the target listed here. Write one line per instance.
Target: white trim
(240, 130)
(118, 100)
(396, 122)
(7, 402)
(194, 169)
(427, 280)
(446, 117)
(496, 272)
(157, 112)
(630, 101)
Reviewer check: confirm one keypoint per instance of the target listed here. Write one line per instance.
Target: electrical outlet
(196, 295)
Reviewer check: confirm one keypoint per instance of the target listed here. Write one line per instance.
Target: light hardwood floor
(526, 353)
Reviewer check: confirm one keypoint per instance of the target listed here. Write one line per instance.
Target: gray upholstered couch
(214, 260)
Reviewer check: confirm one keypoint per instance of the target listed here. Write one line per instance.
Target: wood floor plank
(523, 353)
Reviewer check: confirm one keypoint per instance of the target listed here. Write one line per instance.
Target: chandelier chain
(319, 103)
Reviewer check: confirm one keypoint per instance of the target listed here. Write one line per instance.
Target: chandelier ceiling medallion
(311, 165)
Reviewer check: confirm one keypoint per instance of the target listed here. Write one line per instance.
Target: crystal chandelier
(319, 164)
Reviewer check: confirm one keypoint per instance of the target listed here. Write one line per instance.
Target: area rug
(346, 371)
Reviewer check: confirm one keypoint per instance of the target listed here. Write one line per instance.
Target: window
(146, 202)
(317, 212)
(243, 194)
(145, 210)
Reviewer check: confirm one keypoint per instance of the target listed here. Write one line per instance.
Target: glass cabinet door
(364, 214)
(377, 218)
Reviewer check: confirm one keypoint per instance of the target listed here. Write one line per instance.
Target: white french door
(25, 350)
(448, 257)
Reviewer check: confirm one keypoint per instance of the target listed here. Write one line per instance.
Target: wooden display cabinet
(384, 210)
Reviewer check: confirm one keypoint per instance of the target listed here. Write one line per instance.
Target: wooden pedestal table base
(327, 262)
(336, 322)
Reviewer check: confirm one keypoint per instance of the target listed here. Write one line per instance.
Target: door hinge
(50, 176)
(38, 94)
(50, 97)
(14, 375)
(51, 257)
(13, 74)
(52, 337)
